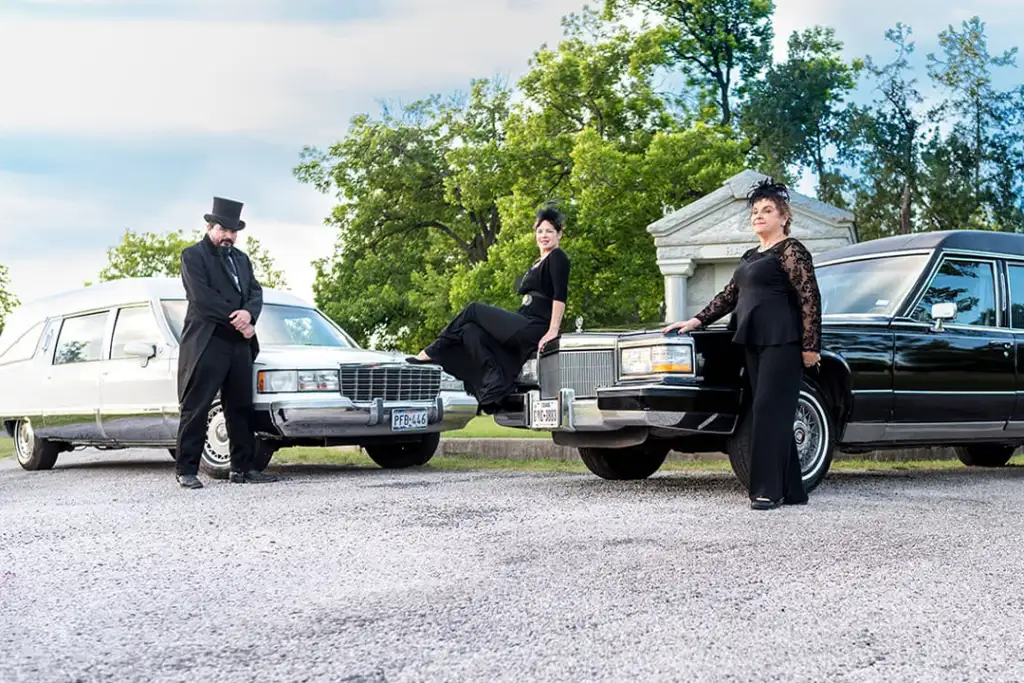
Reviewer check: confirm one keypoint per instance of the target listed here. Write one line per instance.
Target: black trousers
(776, 373)
(224, 366)
(485, 347)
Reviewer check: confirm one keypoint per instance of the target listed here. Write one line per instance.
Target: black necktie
(231, 263)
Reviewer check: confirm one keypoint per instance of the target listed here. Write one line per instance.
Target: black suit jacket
(212, 298)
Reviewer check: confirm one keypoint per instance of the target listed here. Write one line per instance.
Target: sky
(134, 114)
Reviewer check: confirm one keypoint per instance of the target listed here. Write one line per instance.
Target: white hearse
(97, 367)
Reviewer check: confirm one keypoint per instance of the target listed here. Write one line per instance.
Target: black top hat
(226, 212)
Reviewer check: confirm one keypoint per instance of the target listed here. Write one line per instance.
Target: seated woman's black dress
(486, 346)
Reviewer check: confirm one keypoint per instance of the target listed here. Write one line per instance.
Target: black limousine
(922, 345)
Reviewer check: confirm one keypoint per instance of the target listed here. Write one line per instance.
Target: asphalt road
(109, 572)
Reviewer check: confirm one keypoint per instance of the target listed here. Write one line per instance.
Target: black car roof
(972, 240)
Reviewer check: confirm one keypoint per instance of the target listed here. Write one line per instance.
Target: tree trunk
(905, 209)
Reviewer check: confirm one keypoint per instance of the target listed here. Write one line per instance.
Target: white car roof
(113, 293)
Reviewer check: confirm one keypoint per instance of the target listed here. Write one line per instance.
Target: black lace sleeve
(723, 304)
(797, 263)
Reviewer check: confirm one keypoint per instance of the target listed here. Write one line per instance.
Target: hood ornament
(579, 324)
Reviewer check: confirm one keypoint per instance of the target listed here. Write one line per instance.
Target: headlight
(289, 381)
(656, 360)
(529, 374)
(450, 383)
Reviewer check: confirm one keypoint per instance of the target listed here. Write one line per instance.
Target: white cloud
(284, 80)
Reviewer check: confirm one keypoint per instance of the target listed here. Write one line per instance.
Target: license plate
(408, 420)
(544, 414)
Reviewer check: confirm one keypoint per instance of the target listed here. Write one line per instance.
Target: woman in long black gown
(778, 321)
(486, 346)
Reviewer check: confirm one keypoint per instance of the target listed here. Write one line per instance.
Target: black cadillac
(922, 345)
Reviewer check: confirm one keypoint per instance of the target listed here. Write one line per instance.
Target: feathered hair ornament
(768, 189)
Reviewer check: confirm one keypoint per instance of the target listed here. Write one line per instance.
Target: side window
(971, 285)
(80, 339)
(135, 324)
(1017, 296)
(24, 348)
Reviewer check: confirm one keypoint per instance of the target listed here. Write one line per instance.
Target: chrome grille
(582, 371)
(398, 383)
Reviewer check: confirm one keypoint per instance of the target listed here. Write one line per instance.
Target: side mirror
(943, 312)
(142, 350)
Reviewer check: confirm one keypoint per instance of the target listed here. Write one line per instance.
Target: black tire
(402, 454)
(814, 430)
(215, 461)
(985, 454)
(635, 462)
(34, 454)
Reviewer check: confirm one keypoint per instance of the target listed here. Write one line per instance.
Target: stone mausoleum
(700, 244)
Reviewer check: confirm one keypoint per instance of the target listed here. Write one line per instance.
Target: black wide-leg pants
(485, 347)
(776, 373)
(225, 366)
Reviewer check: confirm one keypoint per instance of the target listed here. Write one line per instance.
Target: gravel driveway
(109, 572)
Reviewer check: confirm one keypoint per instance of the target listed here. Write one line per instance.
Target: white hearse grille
(583, 371)
(390, 383)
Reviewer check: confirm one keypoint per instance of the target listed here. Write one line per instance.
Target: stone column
(676, 271)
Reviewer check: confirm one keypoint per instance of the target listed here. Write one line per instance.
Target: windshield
(277, 325)
(871, 286)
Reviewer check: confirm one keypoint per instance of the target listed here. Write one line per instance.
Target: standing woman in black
(777, 305)
(486, 346)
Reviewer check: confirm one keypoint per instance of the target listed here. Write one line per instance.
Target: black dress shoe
(189, 481)
(418, 361)
(250, 477)
(764, 504)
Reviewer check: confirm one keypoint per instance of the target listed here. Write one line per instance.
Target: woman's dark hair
(775, 192)
(551, 215)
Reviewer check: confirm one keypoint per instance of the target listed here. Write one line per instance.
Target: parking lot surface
(109, 572)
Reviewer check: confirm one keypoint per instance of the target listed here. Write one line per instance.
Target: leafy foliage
(8, 301)
(154, 255)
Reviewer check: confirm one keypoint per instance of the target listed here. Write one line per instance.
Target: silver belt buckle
(527, 299)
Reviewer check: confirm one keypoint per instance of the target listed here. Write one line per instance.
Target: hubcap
(24, 441)
(810, 431)
(217, 449)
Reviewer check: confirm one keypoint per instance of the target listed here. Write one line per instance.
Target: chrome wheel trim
(812, 435)
(217, 448)
(24, 441)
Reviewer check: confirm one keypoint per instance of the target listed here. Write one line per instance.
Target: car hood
(309, 357)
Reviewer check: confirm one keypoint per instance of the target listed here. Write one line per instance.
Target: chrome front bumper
(339, 417)
(586, 415)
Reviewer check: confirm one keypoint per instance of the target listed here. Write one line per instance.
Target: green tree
(417, 193)
(145, 254)
(797, 115)
(8, 301)
(263, 267)
(891, 135)
(988, 122)
(720, 45)
(151, 254)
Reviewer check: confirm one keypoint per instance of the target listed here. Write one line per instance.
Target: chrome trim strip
(877, 255)
(907, 322)
(641, 387)
(907, 392)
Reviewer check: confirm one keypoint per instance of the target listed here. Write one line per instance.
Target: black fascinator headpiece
(768, 189)
(552, 215)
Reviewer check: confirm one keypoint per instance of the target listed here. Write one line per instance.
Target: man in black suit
(218, 345)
